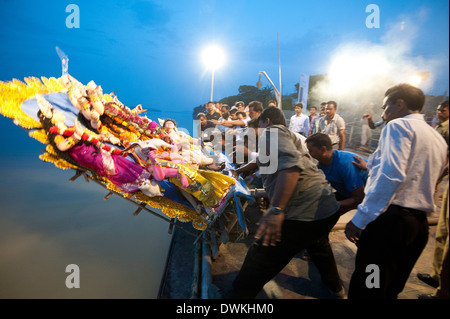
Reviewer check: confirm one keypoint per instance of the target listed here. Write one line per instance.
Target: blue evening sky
(150, 51)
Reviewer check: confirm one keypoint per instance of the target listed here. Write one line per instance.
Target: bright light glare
(349, 70)
(415, 80)
(213, 57)
(343, 71)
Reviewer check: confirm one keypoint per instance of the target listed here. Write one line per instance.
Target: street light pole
(212, 84)
(213, 58)
(279, 66)
(277, 93)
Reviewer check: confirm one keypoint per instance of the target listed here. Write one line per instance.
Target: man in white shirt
(367, 127)
(390, 226)
(334, 126)
(299, 122)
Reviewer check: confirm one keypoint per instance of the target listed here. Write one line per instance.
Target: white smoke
(362, 71)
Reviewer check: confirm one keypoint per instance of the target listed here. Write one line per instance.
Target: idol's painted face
(169, 125)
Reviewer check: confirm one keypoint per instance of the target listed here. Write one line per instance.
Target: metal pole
(197, 281)
(279, 68)
(277, 93)
(206, 269)
(278, 97)
(351, 134)
(212, 84)
(143, 207)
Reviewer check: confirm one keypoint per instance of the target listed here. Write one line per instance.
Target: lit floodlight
(213, 57)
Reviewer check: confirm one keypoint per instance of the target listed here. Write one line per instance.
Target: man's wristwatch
(277, 210)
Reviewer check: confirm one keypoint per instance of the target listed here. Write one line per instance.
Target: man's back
(312, 198)
(343, 176)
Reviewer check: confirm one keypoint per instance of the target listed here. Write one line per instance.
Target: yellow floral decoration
(14, 93)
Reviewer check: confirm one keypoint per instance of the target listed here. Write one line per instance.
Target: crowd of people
(308, 181)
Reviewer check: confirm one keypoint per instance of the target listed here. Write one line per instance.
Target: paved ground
(300, 279)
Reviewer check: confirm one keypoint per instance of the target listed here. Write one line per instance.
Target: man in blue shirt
(338, 166)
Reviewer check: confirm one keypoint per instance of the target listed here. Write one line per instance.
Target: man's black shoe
(426, 278)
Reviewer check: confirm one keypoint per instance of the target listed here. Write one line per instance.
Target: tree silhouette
(248, 93)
